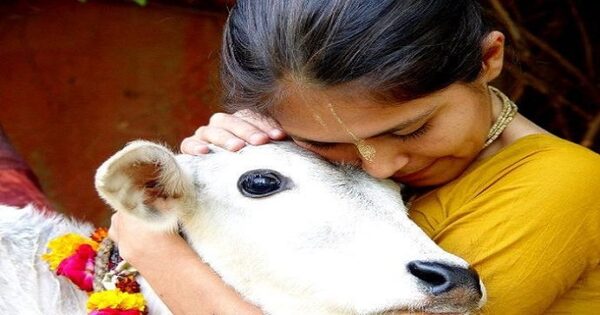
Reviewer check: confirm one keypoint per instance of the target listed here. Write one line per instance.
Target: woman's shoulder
(552, 146)
(535, 167)
(540, 159)
(540, 178)
(539, 148)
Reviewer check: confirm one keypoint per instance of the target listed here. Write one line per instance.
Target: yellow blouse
(528, 220)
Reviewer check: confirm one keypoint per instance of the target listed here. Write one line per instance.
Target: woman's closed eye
(319, 145)
(324, 146)
(414, 134)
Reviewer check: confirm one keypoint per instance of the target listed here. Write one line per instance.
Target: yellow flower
(116, 299)
(65, 246)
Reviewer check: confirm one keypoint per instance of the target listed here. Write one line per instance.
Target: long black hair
(399, 49)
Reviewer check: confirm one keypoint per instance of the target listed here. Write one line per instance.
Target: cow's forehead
(279, 147)
(299, 165)
(283, 154)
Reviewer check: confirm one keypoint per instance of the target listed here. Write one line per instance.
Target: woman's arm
(174, 270)
(176, 273)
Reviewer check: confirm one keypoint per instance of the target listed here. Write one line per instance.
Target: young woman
(401, 88)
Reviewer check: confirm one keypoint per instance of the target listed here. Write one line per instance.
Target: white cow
(292, 233)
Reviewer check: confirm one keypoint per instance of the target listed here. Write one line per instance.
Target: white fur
(336, 241)
(26, 284)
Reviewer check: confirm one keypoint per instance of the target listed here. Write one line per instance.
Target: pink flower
(112, 311)
(79, 267)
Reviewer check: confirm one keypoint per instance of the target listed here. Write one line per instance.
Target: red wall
(79, 80)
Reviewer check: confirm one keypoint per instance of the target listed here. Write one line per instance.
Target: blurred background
(79, 79)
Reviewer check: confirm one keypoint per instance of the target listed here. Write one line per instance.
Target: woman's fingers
(232, 132)
(191, 145)
(265, 124)
(242, 127)
(220, 137)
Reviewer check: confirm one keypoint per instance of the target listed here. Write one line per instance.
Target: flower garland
(110, 281)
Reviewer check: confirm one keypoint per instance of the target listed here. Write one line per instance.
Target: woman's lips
(413, 175)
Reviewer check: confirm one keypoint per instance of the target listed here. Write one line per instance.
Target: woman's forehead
(332, 116)
(301, 100)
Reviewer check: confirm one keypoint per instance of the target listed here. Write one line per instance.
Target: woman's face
(423, 142)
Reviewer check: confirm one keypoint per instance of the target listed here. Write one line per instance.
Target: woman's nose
(383, 163)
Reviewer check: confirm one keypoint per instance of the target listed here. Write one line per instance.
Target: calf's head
(291, 232)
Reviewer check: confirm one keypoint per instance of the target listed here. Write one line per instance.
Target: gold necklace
(509, 111)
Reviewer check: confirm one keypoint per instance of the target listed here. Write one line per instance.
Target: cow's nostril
(430, 276)
(440, 278)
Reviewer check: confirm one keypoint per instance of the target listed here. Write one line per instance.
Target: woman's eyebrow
(400, 126)
(407, 123)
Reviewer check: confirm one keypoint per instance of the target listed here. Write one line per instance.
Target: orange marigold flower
(100, 234)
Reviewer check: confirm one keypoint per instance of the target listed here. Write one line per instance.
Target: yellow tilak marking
(367, 151)
(319, 119)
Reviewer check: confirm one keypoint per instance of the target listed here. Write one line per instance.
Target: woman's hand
(232, 132)
(134, 236)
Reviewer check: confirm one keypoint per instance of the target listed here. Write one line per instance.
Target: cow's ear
(145, 180)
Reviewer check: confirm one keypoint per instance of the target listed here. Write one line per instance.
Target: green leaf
(140, 2)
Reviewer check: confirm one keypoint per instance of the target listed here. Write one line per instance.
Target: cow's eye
(261, 183)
